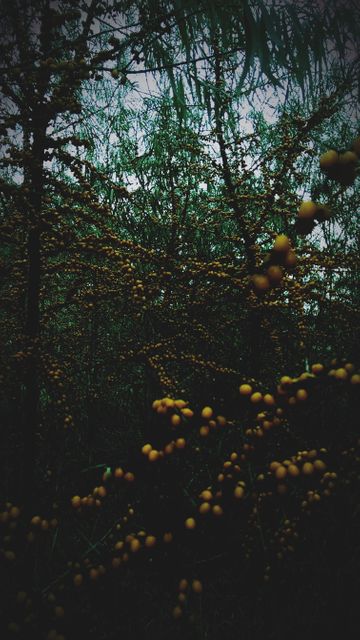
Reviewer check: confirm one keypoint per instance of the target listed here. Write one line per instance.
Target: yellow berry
(150, 541)
(175, 420)
(329, 159)
(308, 468)
(78, 580)
(204, 431)
(319, 465)
(245, 390)
(317, 368)
(281, 472)
(190, 523)
(260, 282)
(349, 157)
(307, 209)
(196, 586)
(282, 243)
(204, 507)
(341, 374)
(146, 449)
(206, 413)
(239, 492)
(256, 397)
(293, 470)
(269, 399)
(135, 545)
(183, 584)
(275, 274)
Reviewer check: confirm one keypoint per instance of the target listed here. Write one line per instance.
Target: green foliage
(140, 262)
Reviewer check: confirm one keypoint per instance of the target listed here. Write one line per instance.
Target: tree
(164, 262)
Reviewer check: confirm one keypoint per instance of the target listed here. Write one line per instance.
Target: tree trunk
(34, 181)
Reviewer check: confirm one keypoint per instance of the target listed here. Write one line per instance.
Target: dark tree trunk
(34, 180)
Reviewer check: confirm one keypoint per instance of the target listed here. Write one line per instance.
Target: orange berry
(256, 397)
(319, 465)
(239, 492)
(274, 465)
(14, 513)
(183, 584)
(317, 368)
(290, 259)
(341, 374)
(204, 507)
(175, 420)
(204, 431)
(146, 449)
(329, 159)
(196, 586)
(180, 404)
(206, 495)
(302, 395)
(282, 243)
(275, 274)
(78, 580)
(150, 541)
(245, 390)
(168, 536)
(293, 470)
(307, 209)
(269, 399)
(153, 455)
(206, 413)
(135, 545)
(307, 468)
(169, 448)
(281, 472)
(260, 282)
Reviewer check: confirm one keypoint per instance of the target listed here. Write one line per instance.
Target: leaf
(249, 25)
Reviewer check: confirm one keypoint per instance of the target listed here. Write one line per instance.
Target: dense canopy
(179, 282)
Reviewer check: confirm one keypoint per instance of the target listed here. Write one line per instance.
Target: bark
(34, 180)
(254, 329)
